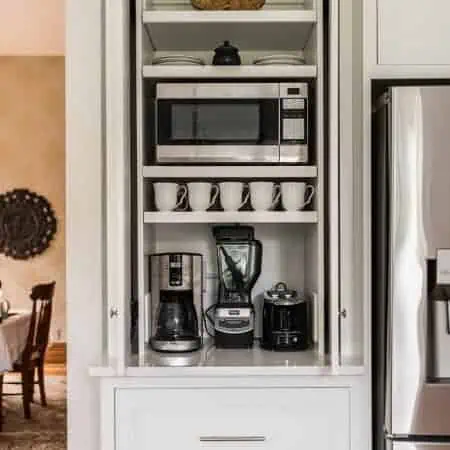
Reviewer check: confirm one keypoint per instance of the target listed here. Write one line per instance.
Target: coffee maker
(239, 258)
(176, 301)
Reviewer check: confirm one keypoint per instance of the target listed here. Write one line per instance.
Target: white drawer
(205, 419)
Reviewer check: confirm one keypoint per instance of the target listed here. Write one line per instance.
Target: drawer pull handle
(232, 438)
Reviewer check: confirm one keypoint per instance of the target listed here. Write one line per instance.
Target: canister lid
(281, 295)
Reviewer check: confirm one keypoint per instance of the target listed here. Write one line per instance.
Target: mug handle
(245, 199)
(277, 195)
(181, 187)
(216, 193)
(310, 195)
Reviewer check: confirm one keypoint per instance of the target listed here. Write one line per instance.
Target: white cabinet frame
(117, 163)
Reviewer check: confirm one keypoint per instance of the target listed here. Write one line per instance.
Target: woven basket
(227, 4)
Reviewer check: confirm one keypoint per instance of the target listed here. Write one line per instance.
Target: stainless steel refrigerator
(410, 228)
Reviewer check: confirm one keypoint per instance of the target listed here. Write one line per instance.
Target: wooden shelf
(256, 30)
(225, 172)
(244, 71)
(231, 217)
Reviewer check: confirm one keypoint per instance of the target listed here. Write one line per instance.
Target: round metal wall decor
(27, 224)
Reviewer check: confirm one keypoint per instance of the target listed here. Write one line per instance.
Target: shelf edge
(229, 172)
(235, 217)
(260, 16)
(234, 371)
(244, 71)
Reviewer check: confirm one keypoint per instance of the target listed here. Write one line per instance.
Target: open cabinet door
(118, 213)
(333, 184)
(351, 314)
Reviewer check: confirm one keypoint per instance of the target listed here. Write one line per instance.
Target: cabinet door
(117, 171)
(413, 32)
(206, 419)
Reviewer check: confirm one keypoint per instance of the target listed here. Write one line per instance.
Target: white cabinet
(300, 247)
(138, 410)
(293, 241)
(232, 418)
(413, 32)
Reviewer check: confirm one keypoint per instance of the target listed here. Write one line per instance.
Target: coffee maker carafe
(176, 301)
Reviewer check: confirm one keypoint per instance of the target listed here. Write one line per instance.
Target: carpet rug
(47, 428)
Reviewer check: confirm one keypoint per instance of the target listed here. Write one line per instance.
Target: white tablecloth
(13, 337)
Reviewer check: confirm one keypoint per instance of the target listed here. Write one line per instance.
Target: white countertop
(211, 361)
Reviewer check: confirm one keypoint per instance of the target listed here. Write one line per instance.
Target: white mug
(200, 194)
(231, 195)
(262, 195)
(166, 195)
(296, 195)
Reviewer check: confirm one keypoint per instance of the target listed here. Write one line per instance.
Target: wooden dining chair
(33, 355)
(1, 401)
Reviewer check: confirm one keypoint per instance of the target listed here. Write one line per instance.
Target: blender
(239, 258)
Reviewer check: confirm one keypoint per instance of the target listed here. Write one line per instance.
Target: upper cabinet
(413, 32)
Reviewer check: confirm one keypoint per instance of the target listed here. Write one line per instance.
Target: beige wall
(32, 156)
(32, 27)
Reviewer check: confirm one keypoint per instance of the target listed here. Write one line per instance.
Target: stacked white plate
(178, 60)
(279, 59)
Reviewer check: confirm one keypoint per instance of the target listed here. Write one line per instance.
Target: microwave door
(234, 130)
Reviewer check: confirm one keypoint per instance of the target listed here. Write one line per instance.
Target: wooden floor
(55, 360)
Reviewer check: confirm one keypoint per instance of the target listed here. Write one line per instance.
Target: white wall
(32, 44)
(84, 209)
(32, 150)
(32, 27)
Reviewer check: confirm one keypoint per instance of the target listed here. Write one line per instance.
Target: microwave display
(243, 123)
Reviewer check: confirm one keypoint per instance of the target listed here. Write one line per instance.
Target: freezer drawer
(232, 419)
(420, 446)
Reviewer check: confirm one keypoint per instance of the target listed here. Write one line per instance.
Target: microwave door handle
(447, 310)
(195, 119)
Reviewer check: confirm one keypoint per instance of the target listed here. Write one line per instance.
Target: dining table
(13, 337)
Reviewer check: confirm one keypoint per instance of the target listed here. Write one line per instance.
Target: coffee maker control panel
(176, 273)
(175, 270)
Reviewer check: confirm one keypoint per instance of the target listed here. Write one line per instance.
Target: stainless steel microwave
(232, 123)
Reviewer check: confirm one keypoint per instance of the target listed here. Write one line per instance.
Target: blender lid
(233, 233)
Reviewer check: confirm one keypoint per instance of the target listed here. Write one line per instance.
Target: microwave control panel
(293, 113)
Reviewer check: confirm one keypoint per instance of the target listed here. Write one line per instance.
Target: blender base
(228, 340)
